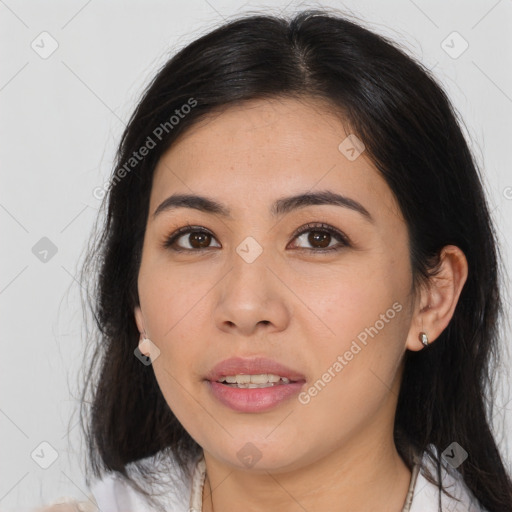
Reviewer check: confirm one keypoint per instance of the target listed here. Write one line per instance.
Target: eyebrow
(280, 207)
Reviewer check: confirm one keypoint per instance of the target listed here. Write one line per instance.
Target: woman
(297, 288)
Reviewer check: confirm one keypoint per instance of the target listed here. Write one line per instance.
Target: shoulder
(113, 494)
(68, 504)
(426, 495)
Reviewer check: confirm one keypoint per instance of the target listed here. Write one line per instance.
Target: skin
(292, 304)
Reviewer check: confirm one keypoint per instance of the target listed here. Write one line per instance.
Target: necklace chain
(211, 497)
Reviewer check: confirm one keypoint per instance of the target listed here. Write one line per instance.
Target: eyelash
(169, 242)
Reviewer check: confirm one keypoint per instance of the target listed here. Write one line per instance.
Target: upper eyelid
(310, 226)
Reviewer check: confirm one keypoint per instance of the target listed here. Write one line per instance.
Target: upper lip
(252, 366)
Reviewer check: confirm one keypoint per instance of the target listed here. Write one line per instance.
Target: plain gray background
(62, 115)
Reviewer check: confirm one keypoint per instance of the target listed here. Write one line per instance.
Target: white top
(112, 494)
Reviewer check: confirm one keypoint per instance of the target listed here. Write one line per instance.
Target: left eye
(319, 236)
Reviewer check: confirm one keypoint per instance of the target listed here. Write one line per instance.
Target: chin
(260, 456)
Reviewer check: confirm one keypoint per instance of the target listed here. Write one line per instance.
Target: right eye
(198, 239)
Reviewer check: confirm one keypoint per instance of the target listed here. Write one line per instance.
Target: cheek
(170, 304)
(366, 316)
(354, 299)
(180, 396)
(355, 373)
(172, 297)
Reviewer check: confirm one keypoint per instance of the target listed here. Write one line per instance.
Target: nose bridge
(251, 294)
(250, 276)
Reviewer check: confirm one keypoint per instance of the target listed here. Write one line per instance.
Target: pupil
(318, 237)
(202, 239)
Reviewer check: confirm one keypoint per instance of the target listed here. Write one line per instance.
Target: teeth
(262, 379)
(254, 381)
(252, 386)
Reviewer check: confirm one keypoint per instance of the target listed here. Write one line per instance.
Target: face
(316, 290)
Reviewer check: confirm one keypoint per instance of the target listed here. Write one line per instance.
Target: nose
(250, 298)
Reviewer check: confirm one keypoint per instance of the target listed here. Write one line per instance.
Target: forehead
(265, 148)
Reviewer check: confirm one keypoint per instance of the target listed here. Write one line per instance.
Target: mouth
(259, 370)
(253, 385)
(262, 380)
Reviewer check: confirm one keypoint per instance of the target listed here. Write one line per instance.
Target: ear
(437, 300)
(138, 319)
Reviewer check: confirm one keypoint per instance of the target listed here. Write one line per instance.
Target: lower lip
(254, 399)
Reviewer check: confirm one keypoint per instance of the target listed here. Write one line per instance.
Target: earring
(423, 338)
(144, 344)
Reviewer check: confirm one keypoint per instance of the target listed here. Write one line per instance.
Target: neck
(359, 478)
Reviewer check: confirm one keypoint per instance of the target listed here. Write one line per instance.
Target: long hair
(413, 136)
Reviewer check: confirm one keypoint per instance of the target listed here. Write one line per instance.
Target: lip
(253, 366)
(253, 399)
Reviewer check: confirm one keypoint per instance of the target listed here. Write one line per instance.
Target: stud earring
(144, 344)
(423, 335)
